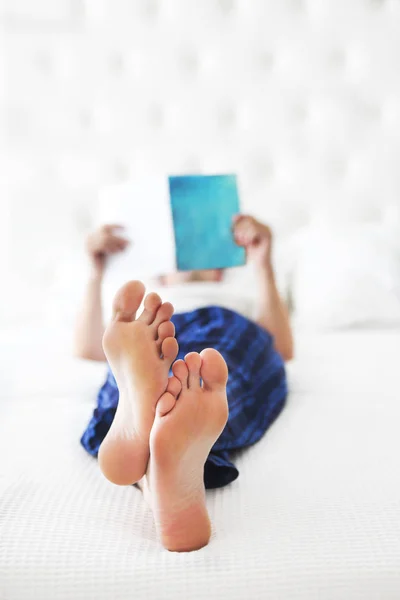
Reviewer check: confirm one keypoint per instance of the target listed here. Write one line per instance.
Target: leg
(140, 353)
(189, 419)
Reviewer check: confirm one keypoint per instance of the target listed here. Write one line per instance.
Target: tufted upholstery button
(189, 62)
(150, 8)
(297, 5)
(156, 115)
(85, 118)
(226, 117)
(262, 168)
(43, 62)
(116, 63)
(336, 58)
(49, 171)
(121, 170)
(227, 6)
(266, 60)
(299, 113)
(336, 167)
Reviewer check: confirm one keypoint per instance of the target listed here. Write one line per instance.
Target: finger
(249, 236)
(239, 237)
(119, 240)
(242, 231)
(112, 247)
(114, 238)
(111, 227)
(242, 222)
(251, 230)
(120, 246)
(240, 240)
(238, 230)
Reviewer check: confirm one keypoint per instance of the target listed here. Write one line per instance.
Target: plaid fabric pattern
(257, 386)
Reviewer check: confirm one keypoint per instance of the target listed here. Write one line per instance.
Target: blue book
(203, 207)
(174, 223)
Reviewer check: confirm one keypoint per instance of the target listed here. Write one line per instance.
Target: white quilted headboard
(301, 97)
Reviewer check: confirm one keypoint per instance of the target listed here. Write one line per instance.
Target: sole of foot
(140, 353)
(190, 416)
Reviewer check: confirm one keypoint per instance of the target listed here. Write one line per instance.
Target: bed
(300, 98)
(315, 513)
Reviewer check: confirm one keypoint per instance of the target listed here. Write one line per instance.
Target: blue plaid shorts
(257, 386)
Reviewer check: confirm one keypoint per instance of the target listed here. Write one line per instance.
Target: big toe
(127, 300)
(214, 371)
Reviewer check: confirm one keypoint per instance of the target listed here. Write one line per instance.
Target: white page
(143, 208)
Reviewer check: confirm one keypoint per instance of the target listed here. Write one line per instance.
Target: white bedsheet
(315, 513)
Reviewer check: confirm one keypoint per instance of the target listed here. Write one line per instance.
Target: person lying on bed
(167, 418)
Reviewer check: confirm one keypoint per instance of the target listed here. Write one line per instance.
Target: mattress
(315, 513)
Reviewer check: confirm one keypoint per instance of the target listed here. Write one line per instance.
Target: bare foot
(189, 419)
(140, 353)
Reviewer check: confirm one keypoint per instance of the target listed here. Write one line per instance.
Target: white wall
(301, 97)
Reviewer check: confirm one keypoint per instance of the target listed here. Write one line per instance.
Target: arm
(273, 314)
(89, 328)
(272, 311)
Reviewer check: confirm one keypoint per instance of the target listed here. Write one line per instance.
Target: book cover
(202, 211)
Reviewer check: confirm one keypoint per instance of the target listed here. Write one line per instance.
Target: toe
(165, 330)
(181, 372)
(152, 302)
(193, 363)
(214, 371)
(164, 313)
(127, 300)
(169, 349)
(174, 386)
(165, 404)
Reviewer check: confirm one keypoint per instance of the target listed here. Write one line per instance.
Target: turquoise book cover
(203, 207)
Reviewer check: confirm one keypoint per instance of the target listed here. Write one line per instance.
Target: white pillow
(344, 277)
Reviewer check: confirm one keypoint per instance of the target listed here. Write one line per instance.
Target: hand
(255, 237)
(102, 243)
